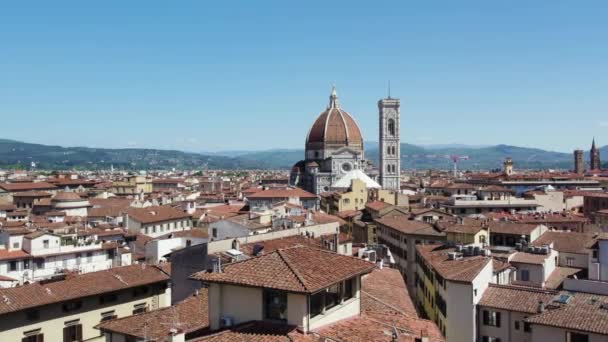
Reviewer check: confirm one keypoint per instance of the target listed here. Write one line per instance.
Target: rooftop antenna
(389, 89)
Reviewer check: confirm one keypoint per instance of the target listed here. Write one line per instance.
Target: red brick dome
(334, 128)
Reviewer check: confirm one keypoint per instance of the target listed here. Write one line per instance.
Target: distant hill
(20, 155)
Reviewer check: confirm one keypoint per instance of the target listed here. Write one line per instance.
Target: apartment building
(68, 310)
(27, 256)
(402, 236)
(524, 314)
(299, 286)
(449, 284)
(156, 220)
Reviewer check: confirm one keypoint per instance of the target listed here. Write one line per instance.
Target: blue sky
(227, 75)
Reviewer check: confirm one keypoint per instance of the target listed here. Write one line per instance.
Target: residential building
(401, 236)
(266, 199)
(300, 286)
(449, 284)
(156, 220)
(69, 310)
(188, 316)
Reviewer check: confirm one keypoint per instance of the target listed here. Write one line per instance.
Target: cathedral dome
(334, 128)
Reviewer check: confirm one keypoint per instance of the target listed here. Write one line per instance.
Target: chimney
(176, 335)
(541, 306)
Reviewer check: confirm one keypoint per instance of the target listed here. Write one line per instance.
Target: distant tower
(390, 166)
(579, 166)
(594, 156)
(508, 166)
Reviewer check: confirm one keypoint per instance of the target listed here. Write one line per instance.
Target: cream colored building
(300, 286)
(68, 310)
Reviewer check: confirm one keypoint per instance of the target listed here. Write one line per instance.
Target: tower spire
(593, 144)
(333, 98)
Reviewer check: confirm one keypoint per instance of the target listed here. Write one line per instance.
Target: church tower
(390, 166)
(594, 155)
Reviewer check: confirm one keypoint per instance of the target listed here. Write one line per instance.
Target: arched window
(388, 150)
(391, 126)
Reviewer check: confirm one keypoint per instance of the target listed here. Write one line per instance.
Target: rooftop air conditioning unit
(226, 321)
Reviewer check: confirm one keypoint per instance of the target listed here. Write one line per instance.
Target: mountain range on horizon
(16, 154)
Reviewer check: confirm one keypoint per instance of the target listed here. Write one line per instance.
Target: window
(32, 315)
(391, 126)
(26, 264)
(71, 306)
(214, 232)
(108, 315)
(72, 332)
(13, 265)
(33, 336)
(138, 291)
(516, 325)
(527, 327)
(317, 303)
(331, 296)
(576, 337)
(39, 263)
(89, 257)
(525, 275)
(45, 243)
(107, 298)
(569, 261)
(15, 244)
(491, 318)
(140, 308)
(595, 254)
(490, 339)
(275, 305)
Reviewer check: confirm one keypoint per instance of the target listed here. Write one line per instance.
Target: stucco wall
(52, 318)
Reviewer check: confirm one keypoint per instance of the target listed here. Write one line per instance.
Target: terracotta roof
(462, 270)
(566, 242)
(515, 298)
(582, 312)
(467, 226)
(12, 255)
(514, 228)
(495, 188)
(105, 212)
(529, 258)
(67, 196)
(33, 193)
(281, 193)
(377, 205)
(299, 269)
(559, 274)
(191, 313)
(380, 328)
(406, 226)
(156, 214)
(335, 127)
(88, 284)
(25, 186)
(258, 331)
(384, 290)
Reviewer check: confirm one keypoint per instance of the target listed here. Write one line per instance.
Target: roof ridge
(294, 271)
(524, 288)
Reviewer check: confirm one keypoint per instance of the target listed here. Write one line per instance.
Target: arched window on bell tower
(391, 127)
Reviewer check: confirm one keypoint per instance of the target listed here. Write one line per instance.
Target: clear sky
(224, 75)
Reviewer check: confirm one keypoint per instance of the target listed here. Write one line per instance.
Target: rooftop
(299, 269)
(153, 325)
(88, 284)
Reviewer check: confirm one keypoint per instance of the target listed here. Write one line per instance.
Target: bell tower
(389, 143)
